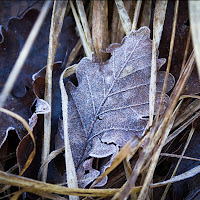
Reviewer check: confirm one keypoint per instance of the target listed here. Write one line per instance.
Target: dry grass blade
(37, 187)
(181, 84)
(114, 25)
(17, 195)
(86, 46)
(128, 172)
(146, 14)
(190, 96)
(189, 121)
(125, 20)
(150, 144)
(188, 112)
(100, 28)
(117, 32)
(74, 52)
(157, 150)
(194, 11)
(23, 121)
(127, 152)
(188, 174)
(169, 58)
(136, 15)
(42, 194)
(70, 70)
(162, 130)
(175, 95)
(159, 18)
(6, 187)
(69, 163)
(126, 188)
(49, 196)
(109, 22)
(84, 22)
(186, 50)
(24, 53)
(58, 14)
(7, 196)
(179, 161)
(32, 186)
(51, 156)
(179, 156)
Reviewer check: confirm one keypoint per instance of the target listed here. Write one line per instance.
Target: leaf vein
(122, 108)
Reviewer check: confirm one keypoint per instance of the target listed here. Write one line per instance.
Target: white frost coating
(5, 137)
(34, 76)
(32, 121)
(38, 73)
(42, 107)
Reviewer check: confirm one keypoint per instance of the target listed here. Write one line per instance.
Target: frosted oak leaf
(111, 102)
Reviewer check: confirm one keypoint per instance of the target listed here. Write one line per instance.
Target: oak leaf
(111, 102)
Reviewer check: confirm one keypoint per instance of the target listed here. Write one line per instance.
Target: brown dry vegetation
(163, 163)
